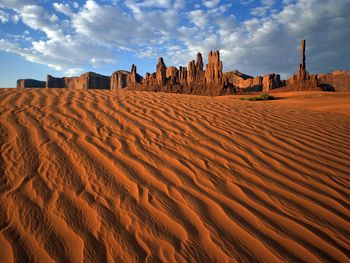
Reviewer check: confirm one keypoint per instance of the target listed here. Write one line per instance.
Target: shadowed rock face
(119, 79)
(199, 62)
(52, 82)
(172, 75)
(91, 80)
(30, 83)
(88, 80)
(182, 75)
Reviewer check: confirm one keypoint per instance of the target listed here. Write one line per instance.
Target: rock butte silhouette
(193, 79)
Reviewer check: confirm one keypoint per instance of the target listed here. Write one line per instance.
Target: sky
(256, 37)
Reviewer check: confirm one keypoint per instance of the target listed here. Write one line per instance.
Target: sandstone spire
(213, 73)
(133, 75)
(302, 73)
(161, 72)
(182, 75)
(302, 44)
(199, 62)
(191, 72)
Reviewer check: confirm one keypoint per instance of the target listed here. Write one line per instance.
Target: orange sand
(99, 176)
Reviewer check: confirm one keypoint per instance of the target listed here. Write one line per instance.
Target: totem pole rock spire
(303, 58)
(302, 73)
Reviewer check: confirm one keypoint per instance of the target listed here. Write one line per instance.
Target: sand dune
(100, 176)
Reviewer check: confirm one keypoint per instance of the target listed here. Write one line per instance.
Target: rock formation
(52, 82)
(88, 80)
(271, 81)
(303, 81)
(213, 72)
(338, 80)
(245, 83)
(195, 80)
(302, 73)
(149, 82)
(172, 75)
(190, 80)
(65, 82)
(161, 72)
(191, 72)
(119, 79)
(134, 78)
(93, 80)
(182, 75)
(199, 62)
(30, 83)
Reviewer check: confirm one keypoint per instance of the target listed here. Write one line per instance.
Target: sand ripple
(97, 176)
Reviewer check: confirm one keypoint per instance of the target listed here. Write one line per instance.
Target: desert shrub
(263, 96)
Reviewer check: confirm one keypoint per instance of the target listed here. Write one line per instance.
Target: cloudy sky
(66, 38)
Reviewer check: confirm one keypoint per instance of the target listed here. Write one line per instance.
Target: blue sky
(65, 38)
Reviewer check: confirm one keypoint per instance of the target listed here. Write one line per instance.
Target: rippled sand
(101, 176)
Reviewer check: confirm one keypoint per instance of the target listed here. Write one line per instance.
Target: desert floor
(101, 176)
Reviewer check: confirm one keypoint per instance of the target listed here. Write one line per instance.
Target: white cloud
(156, 3)
(198, 18)
(107, 25)
(8, 46)
(15, 4)
(15, 18)
(39, 19)
(268, 2)
(75, 5)
(63, 8)
(260, 10)
(211, 3)
(4, 17)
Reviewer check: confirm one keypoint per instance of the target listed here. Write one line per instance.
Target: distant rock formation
(182, 75)
(302, 73)
(30, 83)
(88, 80)
(133, 78)
(161, 72)
(91, 80)
(193, 79)
(119, 79)
(242, 82)
(191, 72)
(190, 80)
(172, 74)
(246, 83)
(213, 72)
(271, 81)
(303, 80)
(338, 80)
